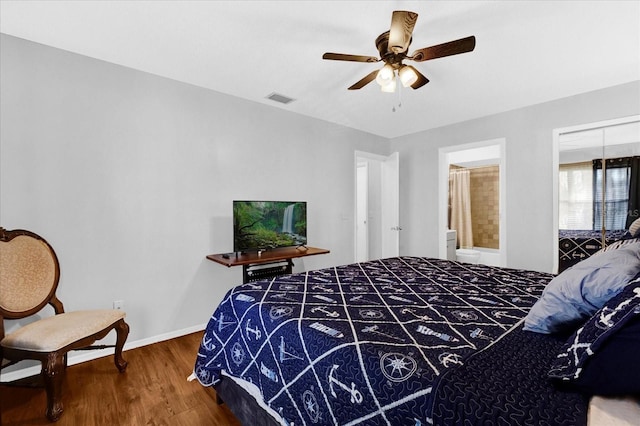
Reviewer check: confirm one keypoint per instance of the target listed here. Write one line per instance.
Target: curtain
(611, 210)
(460, 206)
(633, 212)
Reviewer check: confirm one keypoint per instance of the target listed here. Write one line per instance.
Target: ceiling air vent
(280, 98)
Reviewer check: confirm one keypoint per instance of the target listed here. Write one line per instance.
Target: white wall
(131, 176)
(529, 140)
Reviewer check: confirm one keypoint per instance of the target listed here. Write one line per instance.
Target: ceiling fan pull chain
(399, 87)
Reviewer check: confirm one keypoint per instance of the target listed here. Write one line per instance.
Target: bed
(576, 245)
(398, 341)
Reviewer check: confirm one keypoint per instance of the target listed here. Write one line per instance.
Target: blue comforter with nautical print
(370, 343)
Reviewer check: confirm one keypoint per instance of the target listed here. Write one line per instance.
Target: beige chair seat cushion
(55, 332)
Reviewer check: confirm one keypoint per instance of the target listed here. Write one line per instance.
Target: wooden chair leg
(122, 330)
(52, 374)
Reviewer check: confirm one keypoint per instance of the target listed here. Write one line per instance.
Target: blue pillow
(577, 293)
(601, 357)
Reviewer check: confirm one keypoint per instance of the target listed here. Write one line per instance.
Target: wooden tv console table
(265, 264)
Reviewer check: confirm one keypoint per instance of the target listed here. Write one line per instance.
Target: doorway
(488, 160)
(362, 209)
(377, 206)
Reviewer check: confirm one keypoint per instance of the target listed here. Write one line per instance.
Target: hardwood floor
(153, 391)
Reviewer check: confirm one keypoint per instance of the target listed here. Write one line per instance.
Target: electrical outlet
(118, 304)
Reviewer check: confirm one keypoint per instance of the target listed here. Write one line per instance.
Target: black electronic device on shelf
(266, 271)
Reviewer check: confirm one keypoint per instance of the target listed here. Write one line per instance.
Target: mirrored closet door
(597, 187)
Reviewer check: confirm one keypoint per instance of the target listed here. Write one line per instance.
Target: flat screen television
(262, 225)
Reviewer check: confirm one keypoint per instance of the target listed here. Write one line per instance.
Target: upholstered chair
(29, 275)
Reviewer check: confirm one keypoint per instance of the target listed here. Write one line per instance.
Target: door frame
(443, 192)
(556, 165)
(362, 190)
(363, 156)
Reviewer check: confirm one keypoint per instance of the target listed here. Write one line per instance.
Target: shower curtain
(460, 206)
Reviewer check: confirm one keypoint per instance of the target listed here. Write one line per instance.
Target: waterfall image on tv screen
(260, 225)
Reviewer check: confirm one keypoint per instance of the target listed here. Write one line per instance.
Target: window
(615, 202)
(576, 196)
(581, 203)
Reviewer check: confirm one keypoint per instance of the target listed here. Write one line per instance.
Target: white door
(362, 212)
(390, 214)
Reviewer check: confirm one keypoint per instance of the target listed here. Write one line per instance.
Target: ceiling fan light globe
(385, 76)
(407, 76)
(389, 87)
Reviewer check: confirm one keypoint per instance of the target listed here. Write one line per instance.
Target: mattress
(407, 340)
(577, 245)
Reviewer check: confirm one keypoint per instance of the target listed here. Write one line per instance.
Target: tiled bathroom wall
(485, 206)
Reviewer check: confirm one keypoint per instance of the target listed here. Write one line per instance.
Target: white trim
(83, 356)
(378, 245)
(357, 157)
(370, 155)
(362, 252)
(443, 191)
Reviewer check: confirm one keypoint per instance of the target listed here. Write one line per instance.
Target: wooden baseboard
(84, 356)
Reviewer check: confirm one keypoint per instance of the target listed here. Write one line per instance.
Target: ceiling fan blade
(402, 23)
(455, 47)
(421, 81)
(352, 58)
(364, 81)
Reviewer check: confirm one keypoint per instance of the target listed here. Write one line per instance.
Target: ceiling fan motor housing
(393, 59)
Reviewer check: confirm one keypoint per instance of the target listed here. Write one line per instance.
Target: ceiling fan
(393, 46)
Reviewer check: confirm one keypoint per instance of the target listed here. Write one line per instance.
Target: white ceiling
(527, 52)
